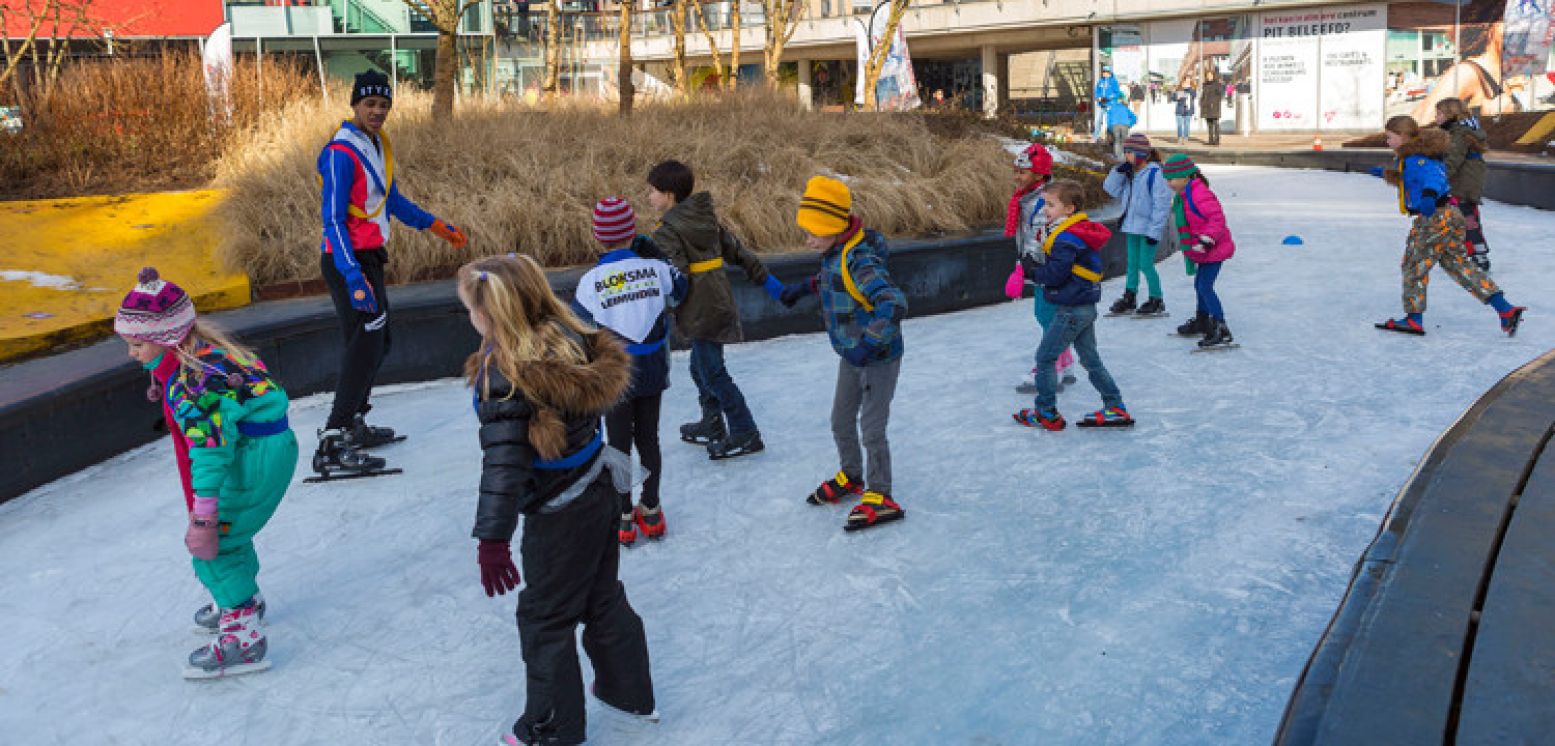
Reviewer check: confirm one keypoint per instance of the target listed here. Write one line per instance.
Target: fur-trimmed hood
(556, 390)
(1432, 143)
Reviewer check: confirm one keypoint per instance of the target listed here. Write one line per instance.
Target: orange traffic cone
(1317, 142)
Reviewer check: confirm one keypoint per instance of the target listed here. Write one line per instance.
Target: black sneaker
(739, 444)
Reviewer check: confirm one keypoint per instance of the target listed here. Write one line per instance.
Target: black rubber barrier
(1512, 182)
(62, 413)
(1427, 646)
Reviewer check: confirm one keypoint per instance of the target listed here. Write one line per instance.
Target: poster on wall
(897, 88)
(1492, 54)
(1320, 68)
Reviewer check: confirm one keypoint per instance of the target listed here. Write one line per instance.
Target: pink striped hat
(614, 221)
(156, 311)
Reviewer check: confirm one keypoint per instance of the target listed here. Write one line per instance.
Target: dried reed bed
(526, 180)
(135, 125)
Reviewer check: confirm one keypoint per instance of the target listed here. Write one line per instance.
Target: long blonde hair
(525, 321)
(203, 333)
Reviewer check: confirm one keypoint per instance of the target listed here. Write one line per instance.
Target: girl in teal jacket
(235, 453)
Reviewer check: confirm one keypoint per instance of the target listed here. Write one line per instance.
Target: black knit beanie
(371, 83)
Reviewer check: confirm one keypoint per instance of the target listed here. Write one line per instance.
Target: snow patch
(40, 279)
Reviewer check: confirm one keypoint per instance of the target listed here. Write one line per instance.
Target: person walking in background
(1209, 105)
(1107, 93)
(1120, 119)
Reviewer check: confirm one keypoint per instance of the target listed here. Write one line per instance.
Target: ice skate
(1123, 306)
(1109, 417)
(624, 714)
(207, 618)
(650, 522)
(369, 436)
(705, 431)
(872, 510)
(735, 445)
(1218, 337)
(1047, 419)
(1196, 326)
(835, 490)
(340, 457)
(528, 733)
(1404, 325)
(1154, 308)
(626, 533)
(238, 649)
(1511, 320)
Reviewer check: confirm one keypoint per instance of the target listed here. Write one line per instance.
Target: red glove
(204, 533)
(498, 575)
(449, 233)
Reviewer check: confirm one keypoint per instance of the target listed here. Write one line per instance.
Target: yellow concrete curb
(65, 264)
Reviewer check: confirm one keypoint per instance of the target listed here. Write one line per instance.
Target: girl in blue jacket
(1438, 233)
(1147, 204)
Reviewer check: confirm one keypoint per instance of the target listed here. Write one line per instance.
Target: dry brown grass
(135, 125)
(523, 180)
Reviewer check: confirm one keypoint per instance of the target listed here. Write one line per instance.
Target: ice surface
(1156, 586)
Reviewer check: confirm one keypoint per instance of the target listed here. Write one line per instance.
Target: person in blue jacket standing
(358, 195)
(1107, 93)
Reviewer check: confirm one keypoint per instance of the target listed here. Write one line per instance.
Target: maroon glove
(498, 575)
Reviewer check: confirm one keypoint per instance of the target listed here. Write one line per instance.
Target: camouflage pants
(1439, 240)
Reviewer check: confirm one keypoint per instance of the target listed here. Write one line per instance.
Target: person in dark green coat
(701, 247)
(1466, 170)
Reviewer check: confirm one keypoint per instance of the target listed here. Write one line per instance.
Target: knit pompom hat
(614, 221)
(1178, 166)
(1137, 141)
(826, 208)
(156, 311)
(1035, 159)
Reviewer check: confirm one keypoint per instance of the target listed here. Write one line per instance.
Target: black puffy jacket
(515, 429)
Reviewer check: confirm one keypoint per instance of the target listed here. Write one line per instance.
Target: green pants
(1141, 258)
(260, 473)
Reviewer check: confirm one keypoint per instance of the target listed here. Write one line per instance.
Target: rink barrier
(1443, 634)
(65, 412)
(1524, 183)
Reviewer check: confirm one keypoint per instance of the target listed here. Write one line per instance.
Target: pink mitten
(1016, 284)
(204, 534)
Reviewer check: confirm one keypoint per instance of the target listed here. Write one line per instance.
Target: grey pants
(863, 402)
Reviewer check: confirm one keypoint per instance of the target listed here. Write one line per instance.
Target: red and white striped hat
(614, 221)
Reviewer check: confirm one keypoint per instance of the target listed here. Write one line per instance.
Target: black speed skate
(369, 436)
(705, 431)
(1123, 306)
(340, 457)
(739, 444)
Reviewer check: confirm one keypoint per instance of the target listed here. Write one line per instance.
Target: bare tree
(734, 46)
(553, 51)
(782, 17)
(624, 71)
(712, 41)
(678, 65)
(878, 54)
(53, 21)
(444, 15)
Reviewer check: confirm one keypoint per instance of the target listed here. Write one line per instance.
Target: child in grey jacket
(1147, 204)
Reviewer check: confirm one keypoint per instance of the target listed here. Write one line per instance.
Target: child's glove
(859, 354)
(773, 288)
(204, 533)
(1124, 168)
(498, 575)
(1375, 171)
(1016, 284)
(362, 298)
(449, 233)
(794, 292)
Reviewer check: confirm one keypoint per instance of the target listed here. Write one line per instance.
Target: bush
(524, 180)
(135, 125)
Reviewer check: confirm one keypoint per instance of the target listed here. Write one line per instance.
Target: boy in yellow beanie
(863, 311)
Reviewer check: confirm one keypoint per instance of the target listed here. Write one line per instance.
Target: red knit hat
(1035, 159)
(614, 221)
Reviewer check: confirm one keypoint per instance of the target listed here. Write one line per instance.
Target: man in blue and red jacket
(358, 195)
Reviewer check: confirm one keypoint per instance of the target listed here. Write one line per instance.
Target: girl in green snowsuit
(235, 453)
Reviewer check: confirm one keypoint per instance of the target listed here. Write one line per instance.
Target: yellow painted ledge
(65, 264)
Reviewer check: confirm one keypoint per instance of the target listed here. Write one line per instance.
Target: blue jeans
(716, 391)
(1073, 325)
(1204, 286)
(1184, 123)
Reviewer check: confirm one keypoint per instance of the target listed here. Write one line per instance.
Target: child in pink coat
(1205, 240)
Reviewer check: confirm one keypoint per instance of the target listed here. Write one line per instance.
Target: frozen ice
(1156, 586)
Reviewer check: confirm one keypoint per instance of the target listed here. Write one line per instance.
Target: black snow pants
(570, 560)
(366, 336)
